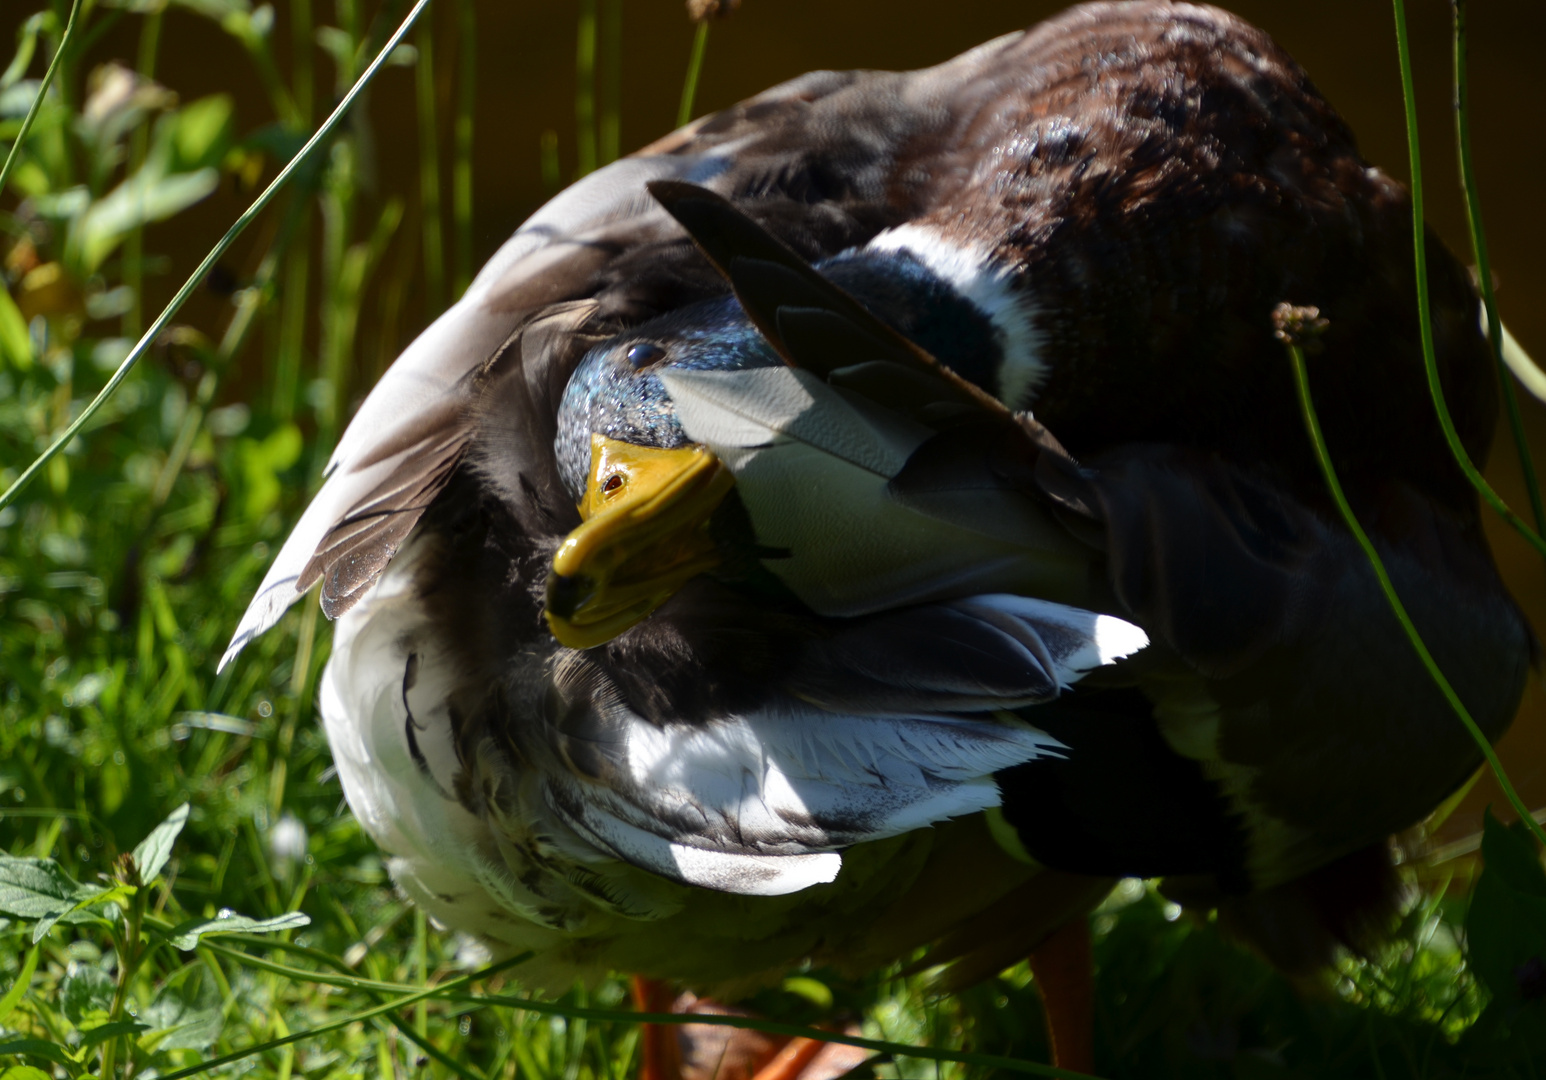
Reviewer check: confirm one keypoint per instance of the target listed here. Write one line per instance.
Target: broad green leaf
(85, 990)
(187, 1016)
(24, 1072)
(151, 854)
(262, 462)
(145, 197)
(39, 1048)
(23, 981)
(110, 1030)
(15, 341)
(86, 897)
(201, 133)
(215, 9)
(337, 44)
(26, 43)
(1506, 923)
(35, 888)
(15, 99)
(186, 936)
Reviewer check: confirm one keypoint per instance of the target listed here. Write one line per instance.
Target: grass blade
(1323, 456)
(276, 185)
(585, 89)
(446, 992)
(366, 1014)
(429, 174)
(1425, 322)
(1473, 212)
(610, 82)
(37, 102)
(700, 45)
(461, 168)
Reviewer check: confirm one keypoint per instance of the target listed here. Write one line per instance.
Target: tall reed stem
(65, 40)
(1473, 211)
(609, 131)
(247, 217)
(1424, 305)
(700, 46)
(461, 170)
(429, 174)
(1322, 455)
(585, 89)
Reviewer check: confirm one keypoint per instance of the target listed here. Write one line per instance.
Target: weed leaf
(151, 854)
(1506, 924)
(23, 981)
(86, 896)
(38, 1048)
(86, 991)
(102, 1032)
(24, 1072)
(183, 1017)
(35, 888)
(186, 936)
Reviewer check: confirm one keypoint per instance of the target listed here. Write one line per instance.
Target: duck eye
(613, 482)
(644, 354)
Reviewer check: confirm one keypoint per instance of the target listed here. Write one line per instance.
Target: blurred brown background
(525, 70)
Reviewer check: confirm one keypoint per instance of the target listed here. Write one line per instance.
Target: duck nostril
(613, 482)
(565, 595)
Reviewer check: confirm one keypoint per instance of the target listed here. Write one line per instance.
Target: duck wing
(823, 161)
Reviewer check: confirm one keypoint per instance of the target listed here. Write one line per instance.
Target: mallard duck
(634, 670)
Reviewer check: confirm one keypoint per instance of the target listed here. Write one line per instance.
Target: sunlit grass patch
(126, 564)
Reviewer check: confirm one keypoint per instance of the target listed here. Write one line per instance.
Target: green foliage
(1506, 930)
(90, 1007)
(124, 570)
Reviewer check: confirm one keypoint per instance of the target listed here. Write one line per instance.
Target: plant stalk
(37, 102)
(1323, 456)
(1473, 211)
(321, 135)
(1424, 306)
(700, 45)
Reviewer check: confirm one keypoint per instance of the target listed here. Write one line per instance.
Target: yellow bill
(646, 533)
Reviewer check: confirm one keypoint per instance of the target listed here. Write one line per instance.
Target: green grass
(126, 563)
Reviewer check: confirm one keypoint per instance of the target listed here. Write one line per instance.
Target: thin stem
(301, 69)
(547, 154)
(1473, 210)
(585, 88)
(352, 1018)
(429, 175)
(461, 169)
(420, 970)
(609, 133)
(700, 45)
(202, 270)
(1424, 309)
(134, 245)
(37, 103)
(129, 959)
(448, 992)
(1322, 455)
(757, 1023)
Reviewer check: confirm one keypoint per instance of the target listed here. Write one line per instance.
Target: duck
(877, 517)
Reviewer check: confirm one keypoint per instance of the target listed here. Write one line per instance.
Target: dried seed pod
(704, 10)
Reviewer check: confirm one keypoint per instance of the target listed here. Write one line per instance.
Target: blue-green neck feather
(615, 396)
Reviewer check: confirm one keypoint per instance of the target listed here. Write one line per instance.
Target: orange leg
(704, 1052)
(791, 1061)
(1064, 971)
(662, 1055)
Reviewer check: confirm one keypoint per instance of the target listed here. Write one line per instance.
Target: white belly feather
(757, 805)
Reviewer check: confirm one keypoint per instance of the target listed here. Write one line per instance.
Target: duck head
(882, 322)
(646, 492)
